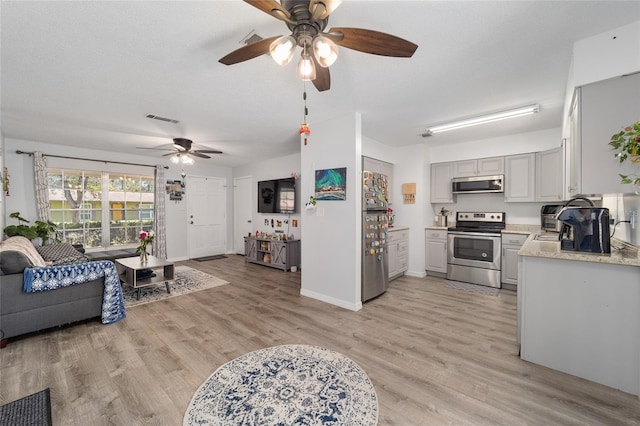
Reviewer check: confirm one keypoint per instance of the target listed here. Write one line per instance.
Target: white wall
(331, 234)
(606, 55)
(274, 169)
(22, 196)
(507, 145)
(409, 167)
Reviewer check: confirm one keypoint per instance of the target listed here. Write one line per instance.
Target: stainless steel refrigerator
(375, 263)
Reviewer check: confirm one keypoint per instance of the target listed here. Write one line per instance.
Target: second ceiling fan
(307, 20)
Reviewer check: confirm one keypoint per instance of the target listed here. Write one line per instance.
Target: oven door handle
(475, 234)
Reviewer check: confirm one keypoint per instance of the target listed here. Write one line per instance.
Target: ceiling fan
(307, 20)
(181, 151)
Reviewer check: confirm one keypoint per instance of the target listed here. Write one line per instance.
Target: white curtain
(159, 222)
(42, 191)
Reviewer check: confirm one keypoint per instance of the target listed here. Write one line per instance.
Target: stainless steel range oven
(474, 248)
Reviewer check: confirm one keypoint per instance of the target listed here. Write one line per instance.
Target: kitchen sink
(546, 237)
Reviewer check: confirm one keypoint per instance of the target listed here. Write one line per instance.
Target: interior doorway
(242, 211)
(206, 215)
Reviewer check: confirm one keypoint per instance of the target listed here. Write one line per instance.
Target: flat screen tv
(277, 196)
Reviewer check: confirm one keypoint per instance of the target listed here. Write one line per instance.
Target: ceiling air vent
(157, 117)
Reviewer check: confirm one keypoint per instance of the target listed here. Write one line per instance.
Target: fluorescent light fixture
(512, 113)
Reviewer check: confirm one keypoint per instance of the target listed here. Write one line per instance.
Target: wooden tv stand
(281, 254)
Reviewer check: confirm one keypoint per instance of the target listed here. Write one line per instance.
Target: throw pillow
(61, 254)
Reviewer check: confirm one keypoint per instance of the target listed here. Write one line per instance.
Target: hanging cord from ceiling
(304, 127)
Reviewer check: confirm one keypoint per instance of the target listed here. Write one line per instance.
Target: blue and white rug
(286, 385)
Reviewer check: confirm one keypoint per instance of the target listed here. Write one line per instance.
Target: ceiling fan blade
(323, 77)
(271, 7)
(197, 154)
(375, 42)
(156, 149)
(247, 52)
(207, 151)
(327, 5)
(171, 153)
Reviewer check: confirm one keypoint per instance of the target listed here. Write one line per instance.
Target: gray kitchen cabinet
(511, 244)
(572, 151)
(549, 175)
(520, 178)
(436, 251)
(441, 174)
(398, 252)
(276, 254)
(479, 167)
(600, 110)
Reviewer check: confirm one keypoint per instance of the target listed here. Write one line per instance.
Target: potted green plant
(626, 145)
(42, 230)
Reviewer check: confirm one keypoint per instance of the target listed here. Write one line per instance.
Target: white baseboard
(331, 300)
(415, 274)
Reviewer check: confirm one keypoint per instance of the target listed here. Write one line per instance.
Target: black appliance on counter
(548, 221)
(585, 229)
(474, 248)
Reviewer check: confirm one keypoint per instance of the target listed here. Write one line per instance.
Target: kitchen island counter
(621, 253)
(580, 312)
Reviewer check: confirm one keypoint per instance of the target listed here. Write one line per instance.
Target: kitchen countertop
(627, 255)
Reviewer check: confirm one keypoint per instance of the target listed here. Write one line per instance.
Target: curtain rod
(88, 159)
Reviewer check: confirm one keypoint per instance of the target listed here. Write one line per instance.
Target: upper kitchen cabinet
(600, 110)
(520, 178)
(549, 175)
(441, 174)
(480, 167)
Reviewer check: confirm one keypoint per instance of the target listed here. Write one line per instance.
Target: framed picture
(331, 184)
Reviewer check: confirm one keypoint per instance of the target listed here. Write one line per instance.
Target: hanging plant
(626, 145)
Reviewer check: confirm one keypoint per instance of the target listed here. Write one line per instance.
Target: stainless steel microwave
(477, 184)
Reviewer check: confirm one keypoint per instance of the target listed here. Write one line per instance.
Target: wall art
(331, 184)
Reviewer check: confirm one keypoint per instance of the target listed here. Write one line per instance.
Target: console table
(281, 254)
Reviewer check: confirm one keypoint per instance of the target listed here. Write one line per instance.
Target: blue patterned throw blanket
(54, 277)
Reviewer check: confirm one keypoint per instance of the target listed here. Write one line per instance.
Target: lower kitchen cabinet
(511, 245)
(276, 254)
(398, 252)
(436, 250)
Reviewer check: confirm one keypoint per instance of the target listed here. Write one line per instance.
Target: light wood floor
(435, 355)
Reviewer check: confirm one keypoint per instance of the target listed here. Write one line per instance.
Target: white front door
(242, 212)
(207, 206)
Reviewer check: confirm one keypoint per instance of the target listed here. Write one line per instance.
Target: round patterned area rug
(286, 385)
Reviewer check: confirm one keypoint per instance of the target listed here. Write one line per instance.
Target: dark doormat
(32, 410)
(216, 257)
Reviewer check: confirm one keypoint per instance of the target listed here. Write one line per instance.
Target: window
(85, 212)
(99, 209)
(146, 211)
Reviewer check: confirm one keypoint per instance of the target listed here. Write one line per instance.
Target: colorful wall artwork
(331, 184)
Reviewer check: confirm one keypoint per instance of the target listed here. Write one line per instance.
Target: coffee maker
(585, 229)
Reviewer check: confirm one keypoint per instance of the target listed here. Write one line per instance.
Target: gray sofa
(22, 313)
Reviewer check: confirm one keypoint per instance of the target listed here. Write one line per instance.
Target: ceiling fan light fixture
(282, 49)
(186, 159)
(489, 118)
(324, 50)
(306, 68)
(175, 159)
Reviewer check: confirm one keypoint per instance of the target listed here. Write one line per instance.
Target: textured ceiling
(87, 73)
